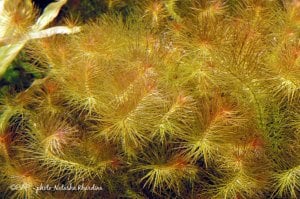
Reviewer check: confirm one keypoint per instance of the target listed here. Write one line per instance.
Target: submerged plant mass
(160, 99)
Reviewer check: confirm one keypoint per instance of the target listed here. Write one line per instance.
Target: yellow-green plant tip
(287, 183)
(168, 174)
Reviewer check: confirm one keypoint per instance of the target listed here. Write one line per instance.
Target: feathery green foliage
(160, 99)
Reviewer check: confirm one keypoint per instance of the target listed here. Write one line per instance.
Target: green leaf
(50, 12)
(7, 55)
(52, 31)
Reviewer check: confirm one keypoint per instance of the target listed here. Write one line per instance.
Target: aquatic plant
(170, 99)
(17, 28)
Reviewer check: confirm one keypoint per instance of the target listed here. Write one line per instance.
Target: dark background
(42, 3)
